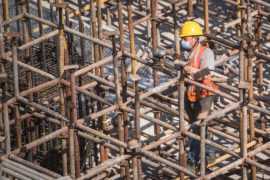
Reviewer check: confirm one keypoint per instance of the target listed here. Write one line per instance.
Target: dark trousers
(193, 109)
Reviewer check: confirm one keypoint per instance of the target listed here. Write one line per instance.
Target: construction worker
(200, 62)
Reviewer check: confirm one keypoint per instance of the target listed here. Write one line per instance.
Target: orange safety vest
(193, 92)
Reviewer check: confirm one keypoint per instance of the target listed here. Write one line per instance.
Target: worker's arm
(196, 74)
(201, 74)
(207, 65)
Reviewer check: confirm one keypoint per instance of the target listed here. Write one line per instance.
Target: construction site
(85, 93)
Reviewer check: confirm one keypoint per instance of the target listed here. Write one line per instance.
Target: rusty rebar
(34, 166)
(118, 100)
(16, 91)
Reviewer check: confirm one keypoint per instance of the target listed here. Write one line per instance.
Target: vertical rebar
(94, 32)
(6, 119)
(108, 14)
(176, 32)
(250, 79)
(138, 125)
(158, 34)
(82, 48)
(154, 8)
(95, 48)
(4, 85)
(181, 100)
(60, 45)
(135, 166)
(190, 8)
(259, 39)
(140, 5)
(242, 77)
(68, 111)
(148, 23)
(71, 152)
(123, 79)
(131, 34)
(16, 91)
(28, 58)
(259, 66)
(17, 13)
(202, 150)
(243, 31)
(206, 19)
(154, 24)
(101, 56)
(6, 14)
(102, 92)
(244, 140)
(41, 31)
(118, 101)
(74, 121)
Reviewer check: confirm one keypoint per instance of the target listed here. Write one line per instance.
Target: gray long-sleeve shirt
(207, 59)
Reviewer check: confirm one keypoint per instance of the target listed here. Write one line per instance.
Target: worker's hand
(201, 74)
(190, 71)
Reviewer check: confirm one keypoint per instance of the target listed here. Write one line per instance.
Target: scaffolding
(63, 117)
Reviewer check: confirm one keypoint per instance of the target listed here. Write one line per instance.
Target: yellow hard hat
(191, 28)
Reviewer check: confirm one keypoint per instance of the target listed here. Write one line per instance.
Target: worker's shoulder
(208, 52)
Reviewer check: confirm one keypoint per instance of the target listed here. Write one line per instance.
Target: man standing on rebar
(200, 62)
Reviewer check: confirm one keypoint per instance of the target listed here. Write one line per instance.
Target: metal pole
(123, 78)
(16, 92)
(259, 66)
(101, 92)
(131, 35)
(6, 14)
(148, 11)
(93, 21)
(94, 32)
(190, 8)
(4, 85)
(206, 19)
(82, 46)
(202, 150)
(6, 118)
(108, 14)
(28, 58)
(118, 101)
(242, 76)
(176, 32)
(250, 79)
(74, 121)
(154, 8)
(71, 152)
(181, 99)
(138, 124)
(61, 62)
(41, 31)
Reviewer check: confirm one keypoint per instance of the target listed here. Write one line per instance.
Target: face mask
(186, 45)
